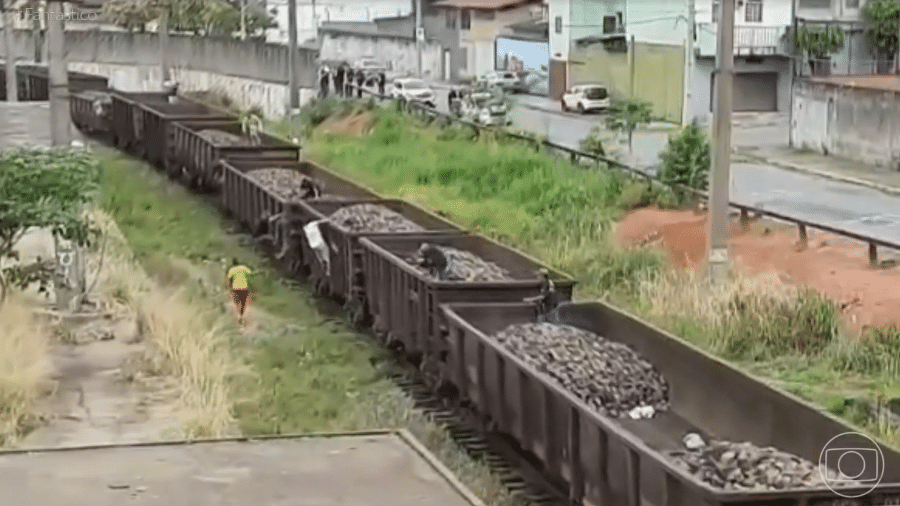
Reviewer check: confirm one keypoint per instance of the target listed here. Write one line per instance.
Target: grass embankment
(301, 367)
(24, 357)
(564, 215)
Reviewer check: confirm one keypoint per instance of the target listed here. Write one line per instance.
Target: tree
(686, 159)
(882, 24)
(44, 189)
(627, 115)
(820, 44)
(196, 17)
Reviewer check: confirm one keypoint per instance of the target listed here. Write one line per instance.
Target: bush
(686, 159)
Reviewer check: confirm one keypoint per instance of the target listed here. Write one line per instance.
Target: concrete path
(376, 470)
(27, 123)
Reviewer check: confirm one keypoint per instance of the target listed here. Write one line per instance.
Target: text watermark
(40, 14)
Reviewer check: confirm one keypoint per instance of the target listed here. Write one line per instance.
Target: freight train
(611, 409)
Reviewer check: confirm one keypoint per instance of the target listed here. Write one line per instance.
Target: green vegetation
(196, 17)
(304, 368)
(627, 115)
(686, 159)
(882, 26)
(44, 189)
(565, 215)
(820, 44)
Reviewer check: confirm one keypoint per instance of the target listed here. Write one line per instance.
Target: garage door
(753, 92)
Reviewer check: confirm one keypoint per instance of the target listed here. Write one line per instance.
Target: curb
(892, 190)
(572, 114)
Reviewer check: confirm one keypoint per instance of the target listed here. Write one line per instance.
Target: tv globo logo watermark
(30, 14)
(851, 464)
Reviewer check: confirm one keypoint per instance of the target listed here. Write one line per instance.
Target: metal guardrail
(747, 213)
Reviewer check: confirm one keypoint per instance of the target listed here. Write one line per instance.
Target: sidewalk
(829, 167)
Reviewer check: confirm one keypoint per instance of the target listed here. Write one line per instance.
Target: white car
(586, 97)
(503, 79)
(413, 90)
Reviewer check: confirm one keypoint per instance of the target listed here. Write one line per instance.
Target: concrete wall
(657, 22)
(702, 77)
(399, 51)
(434, 21)
(854, 123)
(251, 73)
(658, 74)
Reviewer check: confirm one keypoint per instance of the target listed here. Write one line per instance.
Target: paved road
(856, 208)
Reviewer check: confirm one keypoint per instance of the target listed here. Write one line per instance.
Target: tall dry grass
(187, 338)
(749, 317)
(24, 360)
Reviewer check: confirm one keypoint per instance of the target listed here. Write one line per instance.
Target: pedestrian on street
(381, 82)
(450, 98)
(360, 80)
(323, 82)
(339, 80)
(238, 282)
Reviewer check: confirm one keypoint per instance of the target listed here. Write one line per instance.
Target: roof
(481, 4)
(880, 83)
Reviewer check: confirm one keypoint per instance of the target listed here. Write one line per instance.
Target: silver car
(413, 90)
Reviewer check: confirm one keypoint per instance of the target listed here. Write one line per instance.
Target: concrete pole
(164, 51)
(719, 177)
(293, 92)
(37, 29)
(243, 19)
(687, 115)
(12, 91)
(315, 23)
(419, 37)
(631, 60)
(59, 75)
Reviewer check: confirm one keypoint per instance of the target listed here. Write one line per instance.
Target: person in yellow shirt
(238, 283)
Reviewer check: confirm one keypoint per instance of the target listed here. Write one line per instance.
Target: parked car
(413, 90)
(504, 79)
(586, 97)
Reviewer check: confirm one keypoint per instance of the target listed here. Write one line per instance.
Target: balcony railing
(748, 40)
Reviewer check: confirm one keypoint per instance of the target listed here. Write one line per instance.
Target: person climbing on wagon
(238, 281)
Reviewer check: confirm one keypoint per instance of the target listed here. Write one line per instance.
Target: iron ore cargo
(610, 409)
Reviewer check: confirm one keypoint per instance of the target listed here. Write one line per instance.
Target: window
(451, 18)
(815, 4)
(852, 4)
(465, 19)
(485, 15)
(464, 58)
(558, 24)
(716, 6)
(621, 21)
(609, 24)
(753, 11)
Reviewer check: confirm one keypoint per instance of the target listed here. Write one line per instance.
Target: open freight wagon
(257, 205)
(91, 112)
(33, 83)
(624, 461)
(339, 272)
(199, 146)
(404, 300)
(142, 121)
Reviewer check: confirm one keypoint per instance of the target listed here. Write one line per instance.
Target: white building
(330, 10)
(762, 62)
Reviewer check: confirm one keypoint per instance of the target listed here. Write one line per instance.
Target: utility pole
(719, 177)
(59, 75)
(164, 51)
(294, 99)
(420, 37)
(12, 91)
(687, 114)
(315, 22)
(243, 19)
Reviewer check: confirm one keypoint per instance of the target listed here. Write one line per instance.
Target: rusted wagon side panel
(342, 277)
(91, 112)
(415, 319)
(37, 82)
(128, 118)
(605, 461)
(159, 117)
(199, 158)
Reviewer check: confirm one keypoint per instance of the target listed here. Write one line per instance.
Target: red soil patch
(835, 266)
(355, 125)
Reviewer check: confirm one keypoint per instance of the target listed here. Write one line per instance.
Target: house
(856, 57)
(762, 56)
(636, 48)
(471, 29)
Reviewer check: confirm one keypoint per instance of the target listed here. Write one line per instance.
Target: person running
(238, 283)
(360, 81)
(323, 82)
